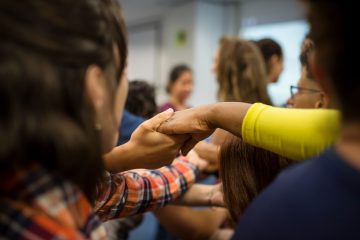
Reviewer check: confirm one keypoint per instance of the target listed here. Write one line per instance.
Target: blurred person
(240, 71)
(139, 106)
(307, 93)
(245, 171)
(179, 88)
(141, 99)
(241, 75)
(273, 57)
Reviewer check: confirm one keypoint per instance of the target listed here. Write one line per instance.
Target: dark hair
(333, 34)
(268, 48)
(175, 74)
(141, 99)
(245, 170)
(45, 50)
(241, 72)
(307, 49)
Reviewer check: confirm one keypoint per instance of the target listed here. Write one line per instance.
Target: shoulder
(166, 106)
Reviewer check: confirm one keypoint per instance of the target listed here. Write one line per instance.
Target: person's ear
(323, 101)
(94, 87)
(320, 101)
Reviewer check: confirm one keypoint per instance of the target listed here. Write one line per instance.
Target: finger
(188, 145)
(166, 127)
(156, 121)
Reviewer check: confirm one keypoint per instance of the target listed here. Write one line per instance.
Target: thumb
(156, 121)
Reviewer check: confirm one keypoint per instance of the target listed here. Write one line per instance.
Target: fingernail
(170, 110)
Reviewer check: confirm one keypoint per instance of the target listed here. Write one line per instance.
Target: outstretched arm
(202, 195)
(141, 190)
(293, 133)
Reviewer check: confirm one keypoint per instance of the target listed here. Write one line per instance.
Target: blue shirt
(316, 199)
(129, 123)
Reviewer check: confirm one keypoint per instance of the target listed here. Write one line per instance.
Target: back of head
(331, 28)
(141, 99)
(46, 48)
(241, 72)
(244, 171)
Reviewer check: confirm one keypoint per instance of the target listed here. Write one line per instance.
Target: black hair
(175, 73)
(46, 48)
(141, 99)
(336, 52)
(269, 47)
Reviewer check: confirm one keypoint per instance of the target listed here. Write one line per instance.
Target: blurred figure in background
(179, 88)
(140, 105)
(141, 99)
(241, 74)
(307, 93)
(253, 168)
(273, 57)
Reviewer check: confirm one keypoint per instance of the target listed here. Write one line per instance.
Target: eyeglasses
(295, 90)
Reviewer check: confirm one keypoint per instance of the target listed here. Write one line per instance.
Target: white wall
(208, 29)
(143, 53)
(181, 18)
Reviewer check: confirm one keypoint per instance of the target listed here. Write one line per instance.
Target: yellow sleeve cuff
(293, 133)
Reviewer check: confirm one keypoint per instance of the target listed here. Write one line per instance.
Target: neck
(349, 144)
(178, 103)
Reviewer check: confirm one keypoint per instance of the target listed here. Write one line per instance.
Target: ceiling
(142, 10)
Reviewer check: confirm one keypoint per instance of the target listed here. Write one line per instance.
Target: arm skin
(147, 148)
(201, 122)
(191, 223)
(202, 195)
(293, 133)
(210, 153)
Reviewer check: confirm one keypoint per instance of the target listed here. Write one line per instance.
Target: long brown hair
(244, 171)
(241, 72)
(46, 48)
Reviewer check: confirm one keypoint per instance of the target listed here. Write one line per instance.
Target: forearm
(198, 195)
(228, 116)
(132, 156)
(141, 190)
(207, 151)
(293, 133)
(191, 223)
(121, 159)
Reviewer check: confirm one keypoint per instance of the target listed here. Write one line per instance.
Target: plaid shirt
(141, 190)
(37, 205)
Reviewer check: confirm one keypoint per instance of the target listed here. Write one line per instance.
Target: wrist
(119, 158)
(212, 116)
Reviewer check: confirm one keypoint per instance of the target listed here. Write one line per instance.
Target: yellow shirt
(293, 133)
